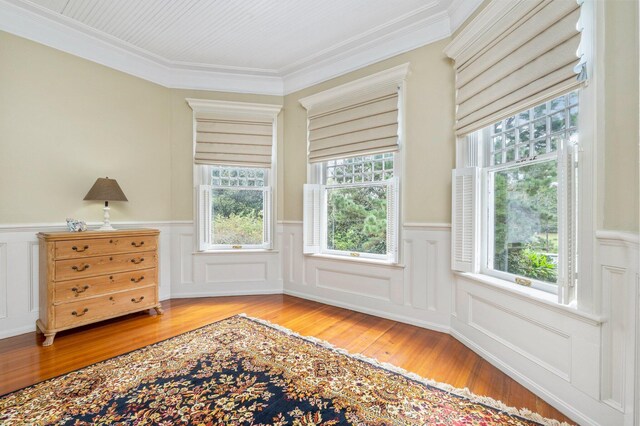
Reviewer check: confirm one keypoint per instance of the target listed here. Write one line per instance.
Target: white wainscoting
(19, 271)
(415, 292)
(222, 273)
(581, 364)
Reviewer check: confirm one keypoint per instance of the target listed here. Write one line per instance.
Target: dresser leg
(48, 339)
(158, 309)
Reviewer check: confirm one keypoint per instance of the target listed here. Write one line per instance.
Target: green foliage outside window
(237, 216)
(526, 221)
(357, 219)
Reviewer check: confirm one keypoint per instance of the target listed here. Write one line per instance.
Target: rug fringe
(462, 392)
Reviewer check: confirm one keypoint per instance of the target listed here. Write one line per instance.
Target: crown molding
(361, 87)
(234, 109)
(59, 32)
(406, 33)
(409, 37)
(460, 10)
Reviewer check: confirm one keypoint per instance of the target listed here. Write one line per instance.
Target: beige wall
(64, 122)
(182, 146)
(621, 116)
(428, 151)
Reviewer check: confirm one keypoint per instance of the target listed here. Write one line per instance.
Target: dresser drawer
(99, 246)
(99, 265)
(89, 310)
(94, 286)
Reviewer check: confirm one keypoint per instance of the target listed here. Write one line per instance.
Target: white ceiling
(264, 46)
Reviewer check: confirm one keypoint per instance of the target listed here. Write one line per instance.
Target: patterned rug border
(461, 392)
(524, 413)
(128, 352)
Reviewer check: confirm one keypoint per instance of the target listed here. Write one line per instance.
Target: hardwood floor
(428, 353)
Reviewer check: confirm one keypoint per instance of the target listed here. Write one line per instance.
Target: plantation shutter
(528, 56)
(268, 200)
(205, 216)
(311, 218)
(368, 125)
(244, 143)
(393, 192)
(465, 226)
(567, 221)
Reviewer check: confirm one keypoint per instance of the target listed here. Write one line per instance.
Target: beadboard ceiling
(260, 46)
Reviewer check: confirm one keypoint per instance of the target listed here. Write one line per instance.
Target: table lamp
(106, 190)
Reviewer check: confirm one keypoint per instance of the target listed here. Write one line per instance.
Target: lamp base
(107, 222)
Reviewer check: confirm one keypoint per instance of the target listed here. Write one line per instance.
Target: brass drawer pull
(140, 260)
(76, 249)
(137, 245)
(137, 280)
(137, 301)
(75, 314)
(77, 290)
(80, 268)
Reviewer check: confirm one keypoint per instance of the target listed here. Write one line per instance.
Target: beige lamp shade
(106, 189)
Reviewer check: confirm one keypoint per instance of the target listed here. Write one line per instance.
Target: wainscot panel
(417, 291)
(584, 365)
(223, 273)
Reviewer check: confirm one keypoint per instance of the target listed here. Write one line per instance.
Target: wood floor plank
(434, 355)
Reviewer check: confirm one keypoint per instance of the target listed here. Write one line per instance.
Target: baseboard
(400, 318)
(225, 294)
(18, 331)
(551, 399)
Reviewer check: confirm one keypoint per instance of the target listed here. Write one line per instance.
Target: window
(234, 173)
(529, 185)
(357, 196)
(354, 137)
(238, 205)
(515, 201)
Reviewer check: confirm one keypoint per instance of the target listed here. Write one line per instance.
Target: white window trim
(475, 152)
(243, 111)
(487, 234)
(208, 246)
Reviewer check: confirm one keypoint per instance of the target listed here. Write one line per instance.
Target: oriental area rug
(245, 371)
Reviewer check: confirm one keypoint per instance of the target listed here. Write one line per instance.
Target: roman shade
(233, 142)
(365, 127)
(528, 55)
(357, 118)
(233, 133)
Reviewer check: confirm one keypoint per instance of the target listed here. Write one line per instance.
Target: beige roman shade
(527, 56)
(233, 142)
(367, 126)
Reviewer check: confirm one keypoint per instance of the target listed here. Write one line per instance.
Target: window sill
(236, 251)
(350, 259)
(536, 296)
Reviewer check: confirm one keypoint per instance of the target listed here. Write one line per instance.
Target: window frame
(474, 150)
(317, 173)
(487, 234)
(204, 175)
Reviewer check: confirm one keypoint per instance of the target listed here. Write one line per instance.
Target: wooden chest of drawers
(92, 276)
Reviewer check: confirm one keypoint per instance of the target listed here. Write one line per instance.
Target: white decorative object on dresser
(92, 276)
